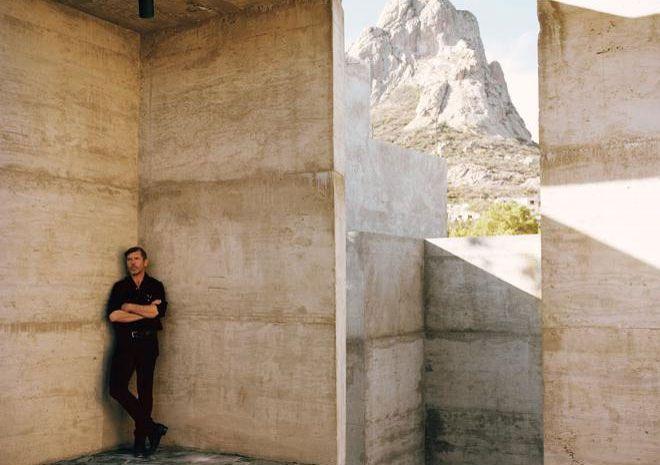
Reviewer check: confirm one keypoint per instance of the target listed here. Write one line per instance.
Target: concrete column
(69, 100)
(242, 207)
(600, 177)
(385, 350)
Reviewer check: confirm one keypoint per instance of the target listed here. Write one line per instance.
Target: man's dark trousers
(137, 355)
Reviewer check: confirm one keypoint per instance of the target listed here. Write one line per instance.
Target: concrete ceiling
(169, 13)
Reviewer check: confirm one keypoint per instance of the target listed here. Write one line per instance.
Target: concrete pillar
(242, 207)
(385, 350)
(600, 173)
(69, 101)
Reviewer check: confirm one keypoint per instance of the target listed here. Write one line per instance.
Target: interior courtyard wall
(68, 209)
(483, 386)
(241, 204)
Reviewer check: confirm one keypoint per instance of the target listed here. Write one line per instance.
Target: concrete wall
(390, 192)
(600, 127)
(389, 189)
(241, 204)
(385, 350)
(483, 388)
(68, 208)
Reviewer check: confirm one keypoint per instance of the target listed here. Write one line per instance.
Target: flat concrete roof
(169, 13)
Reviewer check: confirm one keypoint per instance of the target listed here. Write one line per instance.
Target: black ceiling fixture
(146, 8)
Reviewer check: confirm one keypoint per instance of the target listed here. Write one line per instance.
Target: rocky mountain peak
(428, 56)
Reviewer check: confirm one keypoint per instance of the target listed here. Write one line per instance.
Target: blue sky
(509, 30)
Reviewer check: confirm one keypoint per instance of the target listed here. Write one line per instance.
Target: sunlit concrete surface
(629, 8)
(166, 456)
(600, 181)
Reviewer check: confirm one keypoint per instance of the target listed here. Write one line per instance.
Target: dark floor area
(166, 456)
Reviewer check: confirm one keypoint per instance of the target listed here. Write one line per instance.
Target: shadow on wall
(483, 384)
(117, 424)
(600, 350)
(601, 260)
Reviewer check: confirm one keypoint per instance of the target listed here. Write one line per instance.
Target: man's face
(135, 263)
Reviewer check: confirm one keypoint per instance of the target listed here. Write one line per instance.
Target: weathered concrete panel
(601, 260)
(394, 414)
(385, 349)
(482, 385)
(389, 189)
(227, 384)
(241, 205)
(247, 97)
(68, 208)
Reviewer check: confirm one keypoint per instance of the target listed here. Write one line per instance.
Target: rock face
(434, 90)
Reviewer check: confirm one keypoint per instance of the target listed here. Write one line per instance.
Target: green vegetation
(501, 218)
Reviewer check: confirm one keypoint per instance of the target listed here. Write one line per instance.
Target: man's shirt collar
(129, 279)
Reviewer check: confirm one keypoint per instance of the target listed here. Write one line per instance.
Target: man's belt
(142, 333)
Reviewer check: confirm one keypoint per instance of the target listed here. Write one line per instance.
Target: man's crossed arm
(134, 312)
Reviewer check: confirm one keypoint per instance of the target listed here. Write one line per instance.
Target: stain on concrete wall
(601, 262)
(482, 355)
(68, 208)
(239, 204)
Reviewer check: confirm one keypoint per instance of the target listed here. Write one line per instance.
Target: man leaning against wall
(135, 307)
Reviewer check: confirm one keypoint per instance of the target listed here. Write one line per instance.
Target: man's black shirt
(125, 291)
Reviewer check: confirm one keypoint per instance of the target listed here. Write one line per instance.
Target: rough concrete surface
(482, 380)
(68, 207)
(221, 139)
(601, 260)
(242, 207)
(385, 349)
(389, 189)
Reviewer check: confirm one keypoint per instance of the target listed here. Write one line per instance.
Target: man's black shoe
(140, 449)
(157, 432)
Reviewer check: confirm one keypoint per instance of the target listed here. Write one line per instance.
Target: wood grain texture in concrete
(68, 208)
(600, 169)
(242, 206)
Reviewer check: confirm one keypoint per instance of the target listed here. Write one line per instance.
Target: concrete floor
(166, 456)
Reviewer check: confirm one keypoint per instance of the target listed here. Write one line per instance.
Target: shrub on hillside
(508, 218)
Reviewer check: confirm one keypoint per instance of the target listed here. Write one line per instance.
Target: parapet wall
(389, 189)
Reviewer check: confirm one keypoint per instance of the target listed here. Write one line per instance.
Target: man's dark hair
(136, 249)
